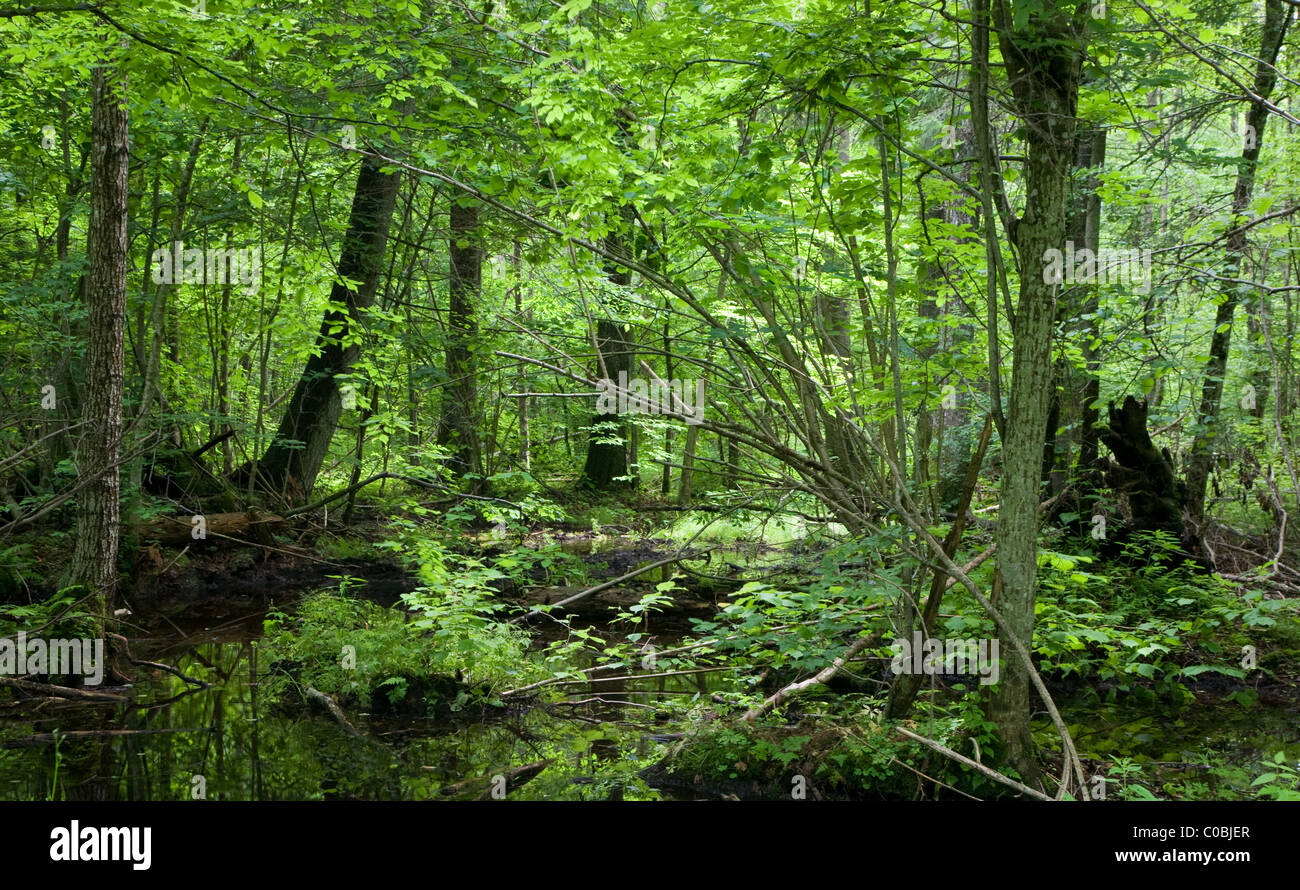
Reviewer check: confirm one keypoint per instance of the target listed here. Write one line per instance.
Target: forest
(624, 400)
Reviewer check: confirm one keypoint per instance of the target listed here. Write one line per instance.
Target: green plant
(653, 601)
(53, 793)
(1281, 779)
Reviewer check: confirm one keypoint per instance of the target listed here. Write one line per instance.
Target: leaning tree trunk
(1044, 59)
(1208, 425)
(289, 467)
(94, 557)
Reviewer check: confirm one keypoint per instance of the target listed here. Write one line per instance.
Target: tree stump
(1145, 474)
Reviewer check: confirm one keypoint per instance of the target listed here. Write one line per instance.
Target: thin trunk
(458, 431)
(1044, 60)
(1208, 425)
(688, 466)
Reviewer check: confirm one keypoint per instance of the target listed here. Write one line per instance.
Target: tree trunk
(459, 429)
(1145, 473)
(289, 467)
(607, 449)
(1071, 428)
(1044, 59)
(94, 557)
(688, 466)
(1208, 426)
(607, 458)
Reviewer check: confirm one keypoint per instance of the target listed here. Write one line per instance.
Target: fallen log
(253, 525)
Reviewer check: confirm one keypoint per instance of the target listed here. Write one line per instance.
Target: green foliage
(547, 564)
(65, 615)
(340, 644)
(653, 601)
(1280, 781)
(315, 646)
(1144, 618)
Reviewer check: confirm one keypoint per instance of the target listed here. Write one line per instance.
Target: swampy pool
(229, 741)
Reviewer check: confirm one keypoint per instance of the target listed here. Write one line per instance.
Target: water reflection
(176, 741)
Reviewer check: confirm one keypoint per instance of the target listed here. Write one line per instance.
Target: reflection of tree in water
(247, 746)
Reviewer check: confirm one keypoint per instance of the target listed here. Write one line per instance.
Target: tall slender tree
(94, 557)
(1043, 52)
(1209, 428)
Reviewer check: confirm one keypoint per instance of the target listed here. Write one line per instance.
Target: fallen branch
(514, 778)
(682, 553)
(126, 649)
(605, 586)
(49, 738)
(329, 704)
(67, 692)
(991, 773)
(255, 523)
(821, 676)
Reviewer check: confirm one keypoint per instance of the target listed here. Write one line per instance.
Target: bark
(1071, 429)
(460, 409)
(607, 461)
(1089, 433)
(1145, 474)
(1044, 60)
(688, 466)
(289, 467)
(1209, 425)
(94, 558)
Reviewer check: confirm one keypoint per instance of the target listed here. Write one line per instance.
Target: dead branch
(320, 698)
(822, 676)
(68, 692)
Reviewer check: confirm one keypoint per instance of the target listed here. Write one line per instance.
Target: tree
(290, 465)
(94, 557)
(460, 408)
(1043, 53)
(1277, 16)
(606, 465)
